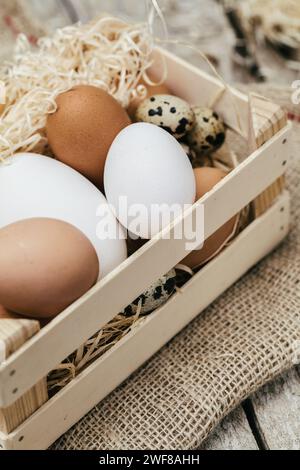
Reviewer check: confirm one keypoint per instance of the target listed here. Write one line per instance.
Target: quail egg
(196, 159)
(169, 112)
(157, 295)
(208, 134)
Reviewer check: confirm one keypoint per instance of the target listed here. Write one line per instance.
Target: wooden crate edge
(266, 119)
(13, 334)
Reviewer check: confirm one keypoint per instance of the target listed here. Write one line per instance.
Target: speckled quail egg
(196, 159)
(169, 112)
(208, 134)
(156, 296)
(189, 151)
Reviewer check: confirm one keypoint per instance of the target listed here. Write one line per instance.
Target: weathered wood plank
(233, 433)
(277, 410)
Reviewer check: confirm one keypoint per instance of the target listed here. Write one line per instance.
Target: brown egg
(45, 265)
(6, 315)
(83, 128)
(151, 90)
(206, 179)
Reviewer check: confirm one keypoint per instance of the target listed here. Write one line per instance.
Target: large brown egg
(206, 179)
(151, 91)
(6, 315)
(83, 128)
(45, 265)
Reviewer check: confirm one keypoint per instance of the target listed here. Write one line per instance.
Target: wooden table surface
(270, 418)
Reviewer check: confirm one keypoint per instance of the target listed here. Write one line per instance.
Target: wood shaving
(107, 53)
(93, 349)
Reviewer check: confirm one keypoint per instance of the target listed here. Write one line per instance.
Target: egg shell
(151, 90)
(6, 315)
(83, 128)
(156, 296)
(34, 186)
(147, 166)
(208, 133)
(206, 179)
(168, 112)
(46, 265)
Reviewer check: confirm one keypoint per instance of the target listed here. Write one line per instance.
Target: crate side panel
(13, 334)
(16, 414)
(100, 305)
(64, 410)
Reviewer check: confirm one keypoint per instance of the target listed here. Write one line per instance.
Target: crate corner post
(266, 119)
(13, 334)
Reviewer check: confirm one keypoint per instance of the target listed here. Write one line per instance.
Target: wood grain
(234, 433)
(266, 119)
(13, 334)
(277, 410)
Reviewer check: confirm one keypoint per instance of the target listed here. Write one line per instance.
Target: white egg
(147, 173)
(32, 186)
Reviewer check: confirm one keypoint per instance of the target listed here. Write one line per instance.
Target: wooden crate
(258, 179)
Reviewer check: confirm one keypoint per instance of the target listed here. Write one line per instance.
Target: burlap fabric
(243, 340)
